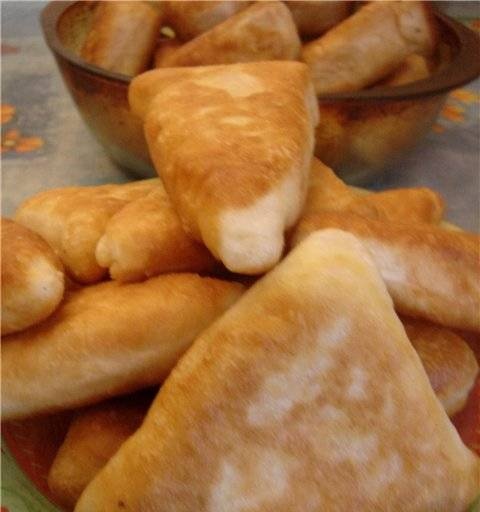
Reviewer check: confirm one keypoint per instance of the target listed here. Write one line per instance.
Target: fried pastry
(190, 19)
(106, 340)
(369, 45)
(32, 278)
(314, 18)
(450, 363)
(327, 192)
(123, 36)
(97, 432)
(264, 31)
(431, 273)
(145, 238)
(413, 68)
(406, 205)
(73, 219)
(305, 396)
(93, 437)
(233, 145)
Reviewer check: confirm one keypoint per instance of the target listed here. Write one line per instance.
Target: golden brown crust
(190, 19)
(306, 395)
(73, 219)
(430, 272)
(264, 31)
(450, 363)
(369, 45)
(108, 339)
(94, 436)
(123, 36)
(146, 238)
(413, 68)
(32, 278)
(327, 192)
(240, 194)
(408, 205)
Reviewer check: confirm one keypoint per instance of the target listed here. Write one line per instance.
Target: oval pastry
(32, 278)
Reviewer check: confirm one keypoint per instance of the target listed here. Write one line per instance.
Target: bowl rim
(464, 67)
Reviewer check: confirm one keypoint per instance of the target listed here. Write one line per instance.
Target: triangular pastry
(106, 340)
(93, 437)
(307, 395)
(97, 432)
(264, 31)
(32, 278)
(414, 67)
(189, 19)
(145, 238)
(430, 272)
(73, 219)
(369, 45)
(233, 145)
(450, 363)
(122, 35)
(407, 205)
(327, 192)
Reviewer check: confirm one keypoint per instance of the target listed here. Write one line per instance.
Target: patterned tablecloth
(45, 144)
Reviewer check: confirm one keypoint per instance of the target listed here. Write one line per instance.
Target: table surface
(45, 143)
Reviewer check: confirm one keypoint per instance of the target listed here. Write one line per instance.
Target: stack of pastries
(346, 45)
(304, 339)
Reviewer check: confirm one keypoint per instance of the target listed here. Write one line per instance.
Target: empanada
(97, 432)
(413, 68)
(314, 18)
(406, 205)
(93, 437)
(145, 238)
(73, 219)
(305, 396)
(190, 19)
(233, 145)
(369, 45)
(430, 272)
(123, 35)
(106, 340)
(264, 31)
(327, 192)
(32, 278)
(450, 363)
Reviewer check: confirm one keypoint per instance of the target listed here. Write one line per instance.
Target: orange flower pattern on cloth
(6, 113)
(454, 111)
(475, 24)
(13, 141)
